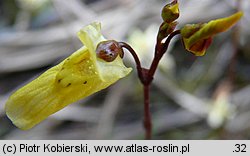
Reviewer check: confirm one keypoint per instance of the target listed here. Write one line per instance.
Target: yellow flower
(198, 37)
(76, 77)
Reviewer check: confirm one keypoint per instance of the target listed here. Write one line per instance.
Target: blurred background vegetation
(192, 97)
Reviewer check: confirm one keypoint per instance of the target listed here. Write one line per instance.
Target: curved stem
(143, 76)
(136, 58)
(146, 76)
(131, 50)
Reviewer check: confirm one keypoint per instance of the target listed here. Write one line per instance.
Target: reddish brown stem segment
(136, 58)
(147, 115)
(146, 76)
(160, 50)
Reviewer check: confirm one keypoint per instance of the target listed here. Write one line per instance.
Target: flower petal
(76, 77)
(200, 33)
(215, 26)
(91, 35)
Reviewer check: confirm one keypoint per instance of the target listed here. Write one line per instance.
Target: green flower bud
(165, 29)
(170, 12)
